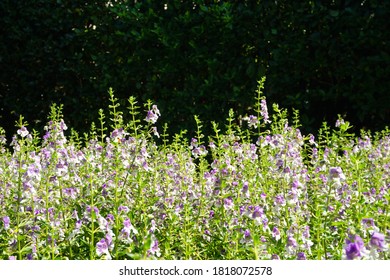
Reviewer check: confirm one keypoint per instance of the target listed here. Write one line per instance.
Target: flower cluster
(278, 195)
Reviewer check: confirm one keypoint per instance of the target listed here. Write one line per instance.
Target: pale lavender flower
(152, 115)
(336, 173)
(265, 224)
(109, 239)
(258, 214)
(279, 199)
(78, 224)
(252, 121)
(23, 132)
(156, 110)
(71, 192)
(124, 209)
(306, 233)
(117, 135)
(291, 242)
(33, 172)
(369, 223)
(110, 219)
(275, 233)
(264, 111)
(312, 141)
(247, 236)
(199, 151)
(103, 224)
(154, 249)
(6, 222)
(63, 125)
(128, 228)
(153, 226)
(95, 209)
(102, 248)
(228, 203)
(155, 132)
(245, 190)
(279, 202)
(339, 122)
(61, 169)
(378, 241)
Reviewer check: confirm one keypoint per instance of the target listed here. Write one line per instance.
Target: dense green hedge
(195, 57)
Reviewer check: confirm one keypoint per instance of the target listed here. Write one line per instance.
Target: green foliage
(125, 197)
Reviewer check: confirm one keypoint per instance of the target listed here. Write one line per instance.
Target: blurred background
(195, 57)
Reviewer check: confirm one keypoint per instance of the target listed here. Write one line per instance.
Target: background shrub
(195, 57)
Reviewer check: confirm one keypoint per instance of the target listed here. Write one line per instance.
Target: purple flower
(118, 135)
(276, 233)
(339, 122)
(127, 229)
(354, 247)
(123, 209)
(245, 189)
(6, 222)
(378, 241)
(154, 249)
(109, 242)
(336, 173)
(33, 172)
(252, 121)
(153, 227)
(247, 237)
(301, 256)
(368, 222)
(152, 115)
(110, 218)
(257, 214)
(291, 242)
(264, 111)
(306, 232)
(78, 224)
(279, 200)
(23, 131)
(228, 203)
(155, 132)
(71, 192)
(102, 248)
(96, 210)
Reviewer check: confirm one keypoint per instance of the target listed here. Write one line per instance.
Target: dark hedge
(195, 57)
